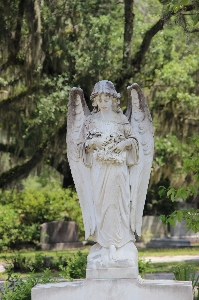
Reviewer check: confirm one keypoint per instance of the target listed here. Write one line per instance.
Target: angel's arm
(94, 143)
(132, 145)
(84, 149)
(129, 144)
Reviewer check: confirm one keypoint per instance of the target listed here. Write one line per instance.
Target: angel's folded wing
(140, 119)
(77, 113)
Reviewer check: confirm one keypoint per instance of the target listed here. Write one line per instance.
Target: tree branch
(136, 62)
(135, 65)
(22, 171)
(12, 150)
(17, 98)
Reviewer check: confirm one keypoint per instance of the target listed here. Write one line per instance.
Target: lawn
(143, 254)
(168, 266)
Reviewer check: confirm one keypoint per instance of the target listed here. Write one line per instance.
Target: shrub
(22, 213)
(188, 273)
(38, 263)
(16, 288)
(12, 231)
(143, 266)
(76, 267)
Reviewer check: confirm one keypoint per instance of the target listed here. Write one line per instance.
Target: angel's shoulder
(89, 119)
(123, 118)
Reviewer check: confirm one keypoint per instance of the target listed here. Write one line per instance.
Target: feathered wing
(77, 113)
(140, 119)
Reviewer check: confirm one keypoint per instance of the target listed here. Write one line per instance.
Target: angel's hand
(120, 147)
(95, 143)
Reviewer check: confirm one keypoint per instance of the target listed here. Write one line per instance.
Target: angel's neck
(106, 114)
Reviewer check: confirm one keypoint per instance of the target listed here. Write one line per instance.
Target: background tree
(49, 46)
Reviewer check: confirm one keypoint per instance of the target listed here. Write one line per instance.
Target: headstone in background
(180, 231)
(168, 243)
(59, 235)
(152, 227)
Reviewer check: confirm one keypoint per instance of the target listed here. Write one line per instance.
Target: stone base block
(115, 289)
(61, 246)
(111, 273)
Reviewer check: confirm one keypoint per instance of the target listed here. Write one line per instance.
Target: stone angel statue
(110, 156)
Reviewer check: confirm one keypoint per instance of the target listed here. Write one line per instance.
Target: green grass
(143, 253)
(168, 266)
(4, 276)
(31, 253)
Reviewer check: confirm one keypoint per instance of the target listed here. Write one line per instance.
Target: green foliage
(188, 273)
(76, 267)
(12, 231)
(18, 289)
(176, 5)
(22, 213)
(79, 43)
(191, 166)
(143, 266)
(191, 217)
(191, 163)
(39, 262)
(156, 204)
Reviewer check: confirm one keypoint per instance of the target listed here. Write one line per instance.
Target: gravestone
(152, 227)
(59, 235)
(168, 243)
(180, 231)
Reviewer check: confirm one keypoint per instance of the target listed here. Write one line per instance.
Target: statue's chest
(107, 128)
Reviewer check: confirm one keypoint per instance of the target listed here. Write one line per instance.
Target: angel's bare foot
(112, 252)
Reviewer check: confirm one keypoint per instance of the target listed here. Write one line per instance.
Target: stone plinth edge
(112, 273)
(114, 289)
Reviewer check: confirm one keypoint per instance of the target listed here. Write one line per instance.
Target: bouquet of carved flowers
(107, 154)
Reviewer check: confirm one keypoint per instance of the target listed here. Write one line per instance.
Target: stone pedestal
(111, 273)
(59, 235)
(114, 289)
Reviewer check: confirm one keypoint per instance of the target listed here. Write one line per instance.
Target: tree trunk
(128, 32)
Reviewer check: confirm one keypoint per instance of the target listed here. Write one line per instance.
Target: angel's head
(105, 89)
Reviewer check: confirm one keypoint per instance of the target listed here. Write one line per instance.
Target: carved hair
(106, 87)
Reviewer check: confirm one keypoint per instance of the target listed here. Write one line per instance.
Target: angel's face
(104, 102)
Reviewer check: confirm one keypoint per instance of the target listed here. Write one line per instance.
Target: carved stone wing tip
(133, 86)
(75, 89)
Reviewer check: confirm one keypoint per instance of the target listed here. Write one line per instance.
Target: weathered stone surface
(99, 258)
(59, 232)
(117, 289)
(59, 235)
(110, 156)
(168, 243)
(111, 273)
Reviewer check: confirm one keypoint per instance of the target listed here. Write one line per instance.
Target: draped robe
(110, 180)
